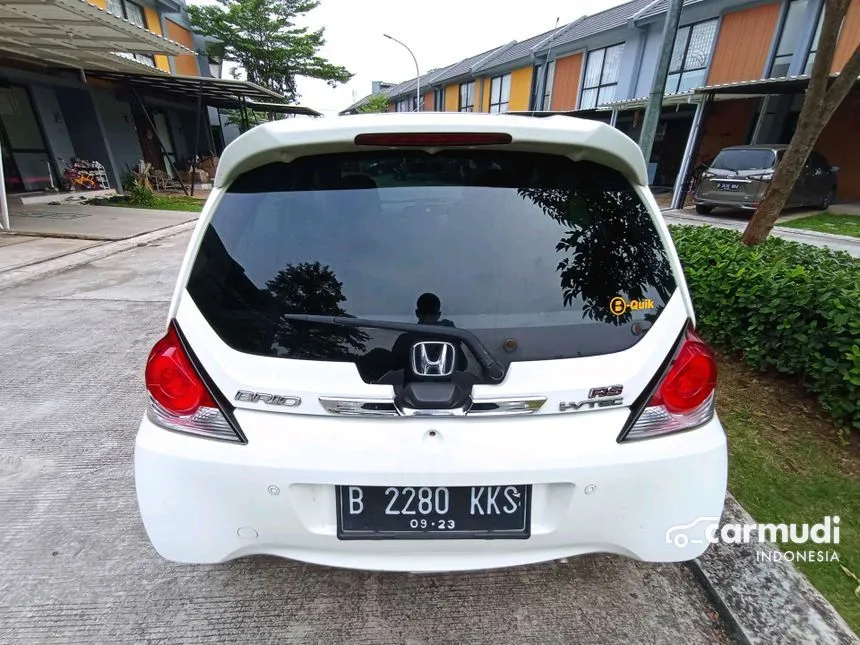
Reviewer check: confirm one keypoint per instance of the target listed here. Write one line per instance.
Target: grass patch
(788, 462)
(835, 223)
(159, 202)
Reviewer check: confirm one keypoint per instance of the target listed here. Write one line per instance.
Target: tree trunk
(818, 107)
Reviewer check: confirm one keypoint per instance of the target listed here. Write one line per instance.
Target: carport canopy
(226, 93)
(77, 34)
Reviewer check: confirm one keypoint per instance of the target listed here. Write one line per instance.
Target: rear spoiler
(285, 140)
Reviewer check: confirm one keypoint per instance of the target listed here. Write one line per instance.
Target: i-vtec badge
(598, 397)
(269, 399)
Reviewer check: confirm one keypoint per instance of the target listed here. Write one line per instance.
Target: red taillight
(172, 380)
(691, 379)
(432, 139)
(179, 399)
(684, 399)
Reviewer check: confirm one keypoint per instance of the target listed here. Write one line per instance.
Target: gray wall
(118, 122)
(630, 64)
(85, 130)
(650, 54)
(54, 125)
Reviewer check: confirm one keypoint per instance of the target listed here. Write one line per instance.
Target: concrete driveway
(76, 566)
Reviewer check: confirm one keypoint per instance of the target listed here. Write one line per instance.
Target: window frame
(809, 59)
(789, 57)
(600, 84)
(468, 107)
(144, 59)
(683, 69)
(547, 71)
(507, 100)
(410, 100)
(439, 99)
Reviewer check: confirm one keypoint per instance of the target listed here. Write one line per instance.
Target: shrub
(140, 195)
(786, 307)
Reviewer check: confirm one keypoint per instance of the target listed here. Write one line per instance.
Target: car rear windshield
(539, 256)
(755, 159)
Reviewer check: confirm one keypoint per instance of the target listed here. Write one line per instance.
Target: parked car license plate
(727, 185)
(433, 512)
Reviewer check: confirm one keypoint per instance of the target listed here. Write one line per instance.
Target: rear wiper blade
(493, 369)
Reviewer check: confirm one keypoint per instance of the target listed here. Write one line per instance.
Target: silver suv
(740, 175)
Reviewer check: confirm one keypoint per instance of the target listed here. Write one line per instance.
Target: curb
(707, 220)
(766, 602)
(811, 233)
(42, 269)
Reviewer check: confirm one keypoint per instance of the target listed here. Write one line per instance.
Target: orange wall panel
(101, 4)
(839, 142)
(565, 84)
(521, 86)
(849, 37)
(482, 94)
(185, 65)
(452, 97)
(153, 23)
(727, 125)
(743, 44)
(428, 101)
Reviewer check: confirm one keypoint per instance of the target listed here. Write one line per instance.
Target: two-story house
(737, 74)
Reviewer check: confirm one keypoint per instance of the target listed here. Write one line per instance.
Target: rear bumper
(744, 205)
(204, 501)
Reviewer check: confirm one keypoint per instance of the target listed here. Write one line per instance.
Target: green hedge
(788, 307)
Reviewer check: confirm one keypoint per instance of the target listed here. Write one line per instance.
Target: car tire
(701, 209)
(827, 200)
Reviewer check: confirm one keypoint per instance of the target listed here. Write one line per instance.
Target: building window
(439, 99)
(405, 105)
(813, 48)
(690, 56)
(128, 10)
(601, 76)
(467, 97)
(135, 15)
(546, 101)
(792, 28)
(500, 93)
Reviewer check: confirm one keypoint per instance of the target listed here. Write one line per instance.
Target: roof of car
(287, 139)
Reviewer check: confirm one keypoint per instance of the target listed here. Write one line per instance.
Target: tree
(261, 36)
(234, 117)
(376, 103)
(821, 101)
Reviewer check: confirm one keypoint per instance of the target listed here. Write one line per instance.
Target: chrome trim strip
(504, 406)
(509, 406)
(354, 407)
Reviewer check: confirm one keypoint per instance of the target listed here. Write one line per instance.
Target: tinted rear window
(534, 249)
(755, 159)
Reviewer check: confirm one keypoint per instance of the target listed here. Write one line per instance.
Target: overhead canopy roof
(75, 33)
(281, 108)
(761, 87)
(217, 92)
(638, 103)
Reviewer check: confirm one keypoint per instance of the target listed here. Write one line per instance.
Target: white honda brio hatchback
(430, 342)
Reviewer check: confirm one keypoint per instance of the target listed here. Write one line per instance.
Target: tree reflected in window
(312, 288)
(611, 248)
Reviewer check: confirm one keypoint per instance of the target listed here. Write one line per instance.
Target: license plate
(433, 512)
(727, 185)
